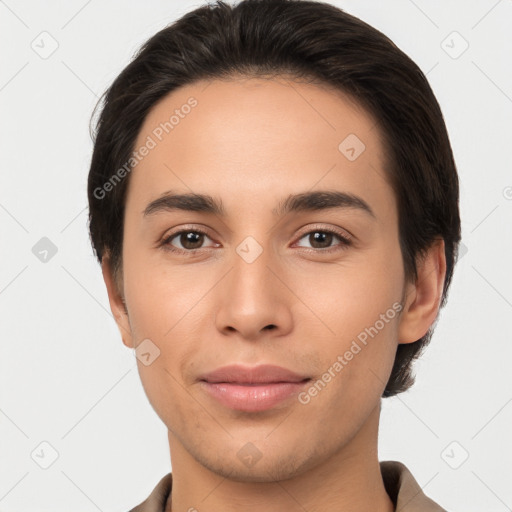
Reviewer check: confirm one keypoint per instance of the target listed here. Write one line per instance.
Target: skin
(251, 142)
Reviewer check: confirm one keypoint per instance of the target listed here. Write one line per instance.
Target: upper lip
(262, 374)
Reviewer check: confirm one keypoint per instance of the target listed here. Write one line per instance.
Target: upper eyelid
(318, 227)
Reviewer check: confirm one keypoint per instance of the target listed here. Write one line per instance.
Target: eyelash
(345, 241)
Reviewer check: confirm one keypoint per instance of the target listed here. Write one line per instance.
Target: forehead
(253, 138)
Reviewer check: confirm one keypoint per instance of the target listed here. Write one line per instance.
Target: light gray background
(66, 378)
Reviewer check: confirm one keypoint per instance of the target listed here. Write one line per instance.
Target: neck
(349, 479)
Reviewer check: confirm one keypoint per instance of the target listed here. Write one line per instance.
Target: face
(262, 280)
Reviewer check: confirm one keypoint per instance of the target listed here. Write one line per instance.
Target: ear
(423, 298)
(117, 303)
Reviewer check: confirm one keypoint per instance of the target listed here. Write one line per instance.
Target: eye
(321, 239)
(190, 240)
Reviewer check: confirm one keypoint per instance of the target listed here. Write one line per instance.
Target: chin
(276, 465)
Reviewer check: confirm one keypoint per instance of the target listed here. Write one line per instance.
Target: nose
(253, 299)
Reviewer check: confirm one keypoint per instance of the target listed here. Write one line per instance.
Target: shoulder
(404, 490)
(157, 500)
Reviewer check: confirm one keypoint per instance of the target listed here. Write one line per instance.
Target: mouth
(252, 389)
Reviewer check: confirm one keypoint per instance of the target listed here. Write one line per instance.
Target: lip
(252, 389)
(261, 374)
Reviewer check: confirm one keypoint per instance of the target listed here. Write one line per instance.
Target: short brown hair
(309, 40)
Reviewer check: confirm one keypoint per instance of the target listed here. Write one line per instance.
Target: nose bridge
(251, 276)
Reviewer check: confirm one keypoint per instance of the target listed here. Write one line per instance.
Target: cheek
(356, 314)
(159, 306)
(160, 296)
(344, 298)
(353, 373)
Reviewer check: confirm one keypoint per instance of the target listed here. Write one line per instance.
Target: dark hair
(308, 40)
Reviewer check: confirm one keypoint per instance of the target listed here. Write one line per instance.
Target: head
(246, 106)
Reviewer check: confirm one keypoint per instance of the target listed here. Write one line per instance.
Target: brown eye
(322, 239)
(189, 240)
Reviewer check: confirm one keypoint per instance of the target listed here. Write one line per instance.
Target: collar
(402, 488)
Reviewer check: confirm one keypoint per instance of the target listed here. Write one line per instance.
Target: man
(274, 203)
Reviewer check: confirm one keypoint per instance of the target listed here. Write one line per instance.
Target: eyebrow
(302, 202)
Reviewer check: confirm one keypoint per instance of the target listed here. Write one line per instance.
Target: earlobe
(423, 298)
(117, 303)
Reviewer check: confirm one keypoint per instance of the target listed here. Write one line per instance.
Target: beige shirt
(401, 486)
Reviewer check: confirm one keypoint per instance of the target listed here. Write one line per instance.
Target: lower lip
(252, 398)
